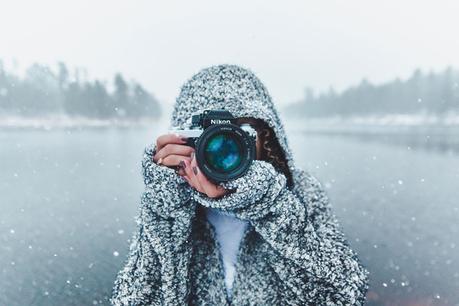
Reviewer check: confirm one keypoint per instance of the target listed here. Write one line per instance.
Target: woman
(284, 247)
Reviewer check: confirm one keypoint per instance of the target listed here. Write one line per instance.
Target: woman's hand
(166, 193)
(170, 150)
(199, 181)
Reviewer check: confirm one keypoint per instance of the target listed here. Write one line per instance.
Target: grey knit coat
(292, 253)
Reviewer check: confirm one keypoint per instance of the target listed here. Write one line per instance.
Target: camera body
(223, 149)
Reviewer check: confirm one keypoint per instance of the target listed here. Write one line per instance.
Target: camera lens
(223, 152)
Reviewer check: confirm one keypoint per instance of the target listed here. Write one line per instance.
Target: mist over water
(69, 198)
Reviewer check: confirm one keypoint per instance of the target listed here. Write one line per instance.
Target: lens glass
(223, 152)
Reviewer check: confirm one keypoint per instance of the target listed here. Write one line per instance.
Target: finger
(176, 149)
(174, 160)
(193, 177)
(194, 167)
(187, 179)
(181, 171)
(190, 173)
(210, 188)
(162, 140)
(196, 171)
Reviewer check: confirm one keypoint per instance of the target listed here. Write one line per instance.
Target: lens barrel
(224, 152)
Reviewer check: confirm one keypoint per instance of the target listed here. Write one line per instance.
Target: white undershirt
(229, 232)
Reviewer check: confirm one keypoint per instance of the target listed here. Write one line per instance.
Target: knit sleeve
(309, 251)
(304, 244)
(167, 192)
(156, 270)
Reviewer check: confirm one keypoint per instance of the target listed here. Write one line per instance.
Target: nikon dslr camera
(223, 149)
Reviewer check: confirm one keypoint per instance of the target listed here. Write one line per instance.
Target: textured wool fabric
(293, 251)
(229, 232)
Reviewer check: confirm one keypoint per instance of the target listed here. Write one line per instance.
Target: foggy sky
(289, 44)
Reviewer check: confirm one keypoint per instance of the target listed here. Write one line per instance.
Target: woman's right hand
(166, 193)
(171, 150)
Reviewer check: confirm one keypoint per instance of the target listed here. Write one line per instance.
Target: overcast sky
(289, 44)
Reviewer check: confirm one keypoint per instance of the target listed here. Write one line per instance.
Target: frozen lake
(68, 200)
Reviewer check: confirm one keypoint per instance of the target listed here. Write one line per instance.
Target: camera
(224, 150)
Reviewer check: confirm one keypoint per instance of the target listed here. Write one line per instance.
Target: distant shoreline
(390, 122)
(63, 121)
(383, 122)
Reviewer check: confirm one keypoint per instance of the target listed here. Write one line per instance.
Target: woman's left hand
(199, 181)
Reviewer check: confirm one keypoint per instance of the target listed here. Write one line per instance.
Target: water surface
(69, 198)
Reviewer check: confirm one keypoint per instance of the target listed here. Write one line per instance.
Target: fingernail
(195, 170)
(184, 139)
(182, 164)
(192, 155)
(160, 160)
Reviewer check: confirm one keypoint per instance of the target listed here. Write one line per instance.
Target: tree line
(435, 93)
(43, 91)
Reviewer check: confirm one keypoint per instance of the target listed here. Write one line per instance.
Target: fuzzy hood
(234, 89)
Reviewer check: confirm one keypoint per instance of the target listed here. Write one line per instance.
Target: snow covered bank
(64, 121)
(365, 123)
(421, 119)
(391, 123)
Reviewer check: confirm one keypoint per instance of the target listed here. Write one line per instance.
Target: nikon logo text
(219, 121)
